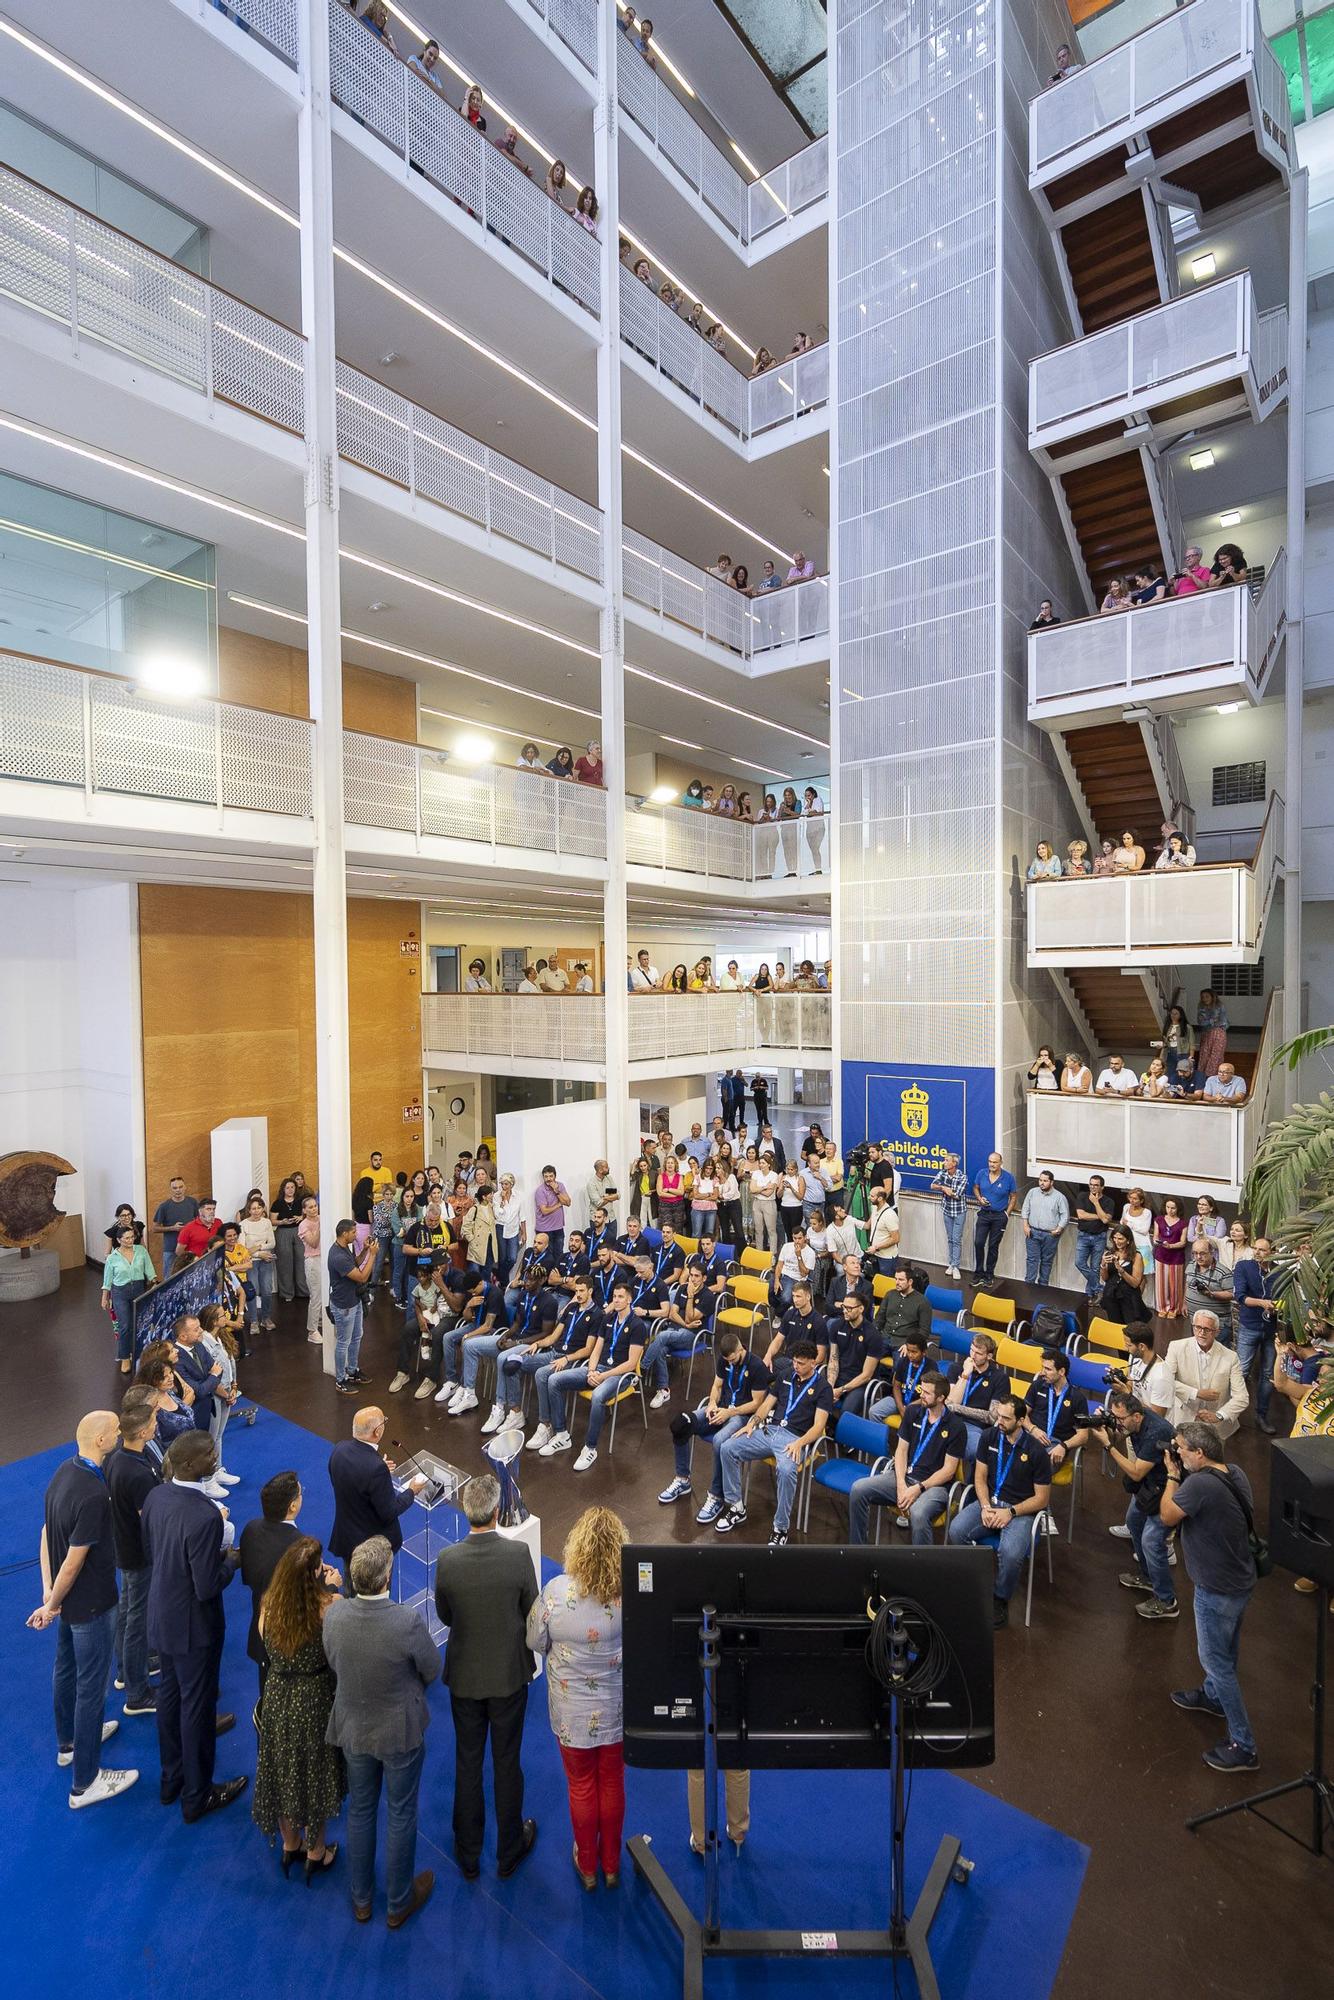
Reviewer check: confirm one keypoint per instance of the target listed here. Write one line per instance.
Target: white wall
(70, 1069)
(568, 1137)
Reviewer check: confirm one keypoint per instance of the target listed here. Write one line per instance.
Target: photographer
(1137, 1442)
(1149, 1381)
(1211, 1503)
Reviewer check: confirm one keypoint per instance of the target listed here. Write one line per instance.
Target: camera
(1106, 1420)
(1112, 1377)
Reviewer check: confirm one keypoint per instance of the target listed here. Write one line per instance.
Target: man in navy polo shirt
(791, 1419)
(926, 1463)
(614, 1362)
(544, 1345)
(799, 1321)
(855, 1349)
(740, 1384)
(995, 1191)
(1254, 1285)
(573, 1262)
(684, 1316)
(975, 1384)
(1058, 1416)
(1011, 1487)
(536, 1258)
(910, 1365)
(669, 1258)
(711, 1261)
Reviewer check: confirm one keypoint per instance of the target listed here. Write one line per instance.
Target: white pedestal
(240, 1150)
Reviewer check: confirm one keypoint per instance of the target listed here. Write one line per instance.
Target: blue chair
(652, 1237)
(869, 1446)
(944, 1299)
(949, 1337)
(1087, 1375)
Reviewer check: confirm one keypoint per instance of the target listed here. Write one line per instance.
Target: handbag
(1259, 1547)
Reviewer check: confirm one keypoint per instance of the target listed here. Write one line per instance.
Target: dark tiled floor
(1088, 1739)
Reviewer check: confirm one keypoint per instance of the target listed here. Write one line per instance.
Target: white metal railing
(1160, 652)
(677, 838)
(788, 188)
(95, 734)
(788, 390)
(1214, 330)
(665, 122)
(420, 124)
(107, 288)
(1161, 1146)
(576, 23)
(273, 22)
(666, 1026)
(1213, 913)
(408, 788)
(682, 355)
(540, 1028)
(687, 595)
(1137, 82)
(1164, 753)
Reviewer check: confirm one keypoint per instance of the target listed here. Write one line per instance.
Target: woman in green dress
(300, 1780)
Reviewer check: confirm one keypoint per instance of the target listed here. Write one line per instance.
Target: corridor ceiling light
(1203, 268)
(474, 749)
(470, 603)
(684, 744)
(663, 795)
(1200, 461)
(176, 679)
(1232, 519)
(693, 694)
(1228, 707)
(742, 527)
(749, 764)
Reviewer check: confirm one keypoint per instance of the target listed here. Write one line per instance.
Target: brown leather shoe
(362, 1912)
(422, 1886)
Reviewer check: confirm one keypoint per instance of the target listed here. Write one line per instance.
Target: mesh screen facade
(947, 536)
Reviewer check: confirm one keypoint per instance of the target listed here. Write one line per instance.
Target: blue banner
(920, 1112)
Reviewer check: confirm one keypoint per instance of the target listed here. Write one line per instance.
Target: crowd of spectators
(1191, 1062)
(585, 769)
(643, 976)
(1151, 584)
(1125, 856)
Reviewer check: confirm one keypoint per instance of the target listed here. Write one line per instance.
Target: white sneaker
(227, 1478)
(513, 1421)
(560, 1441)
(109, 1729)
(541, 1436)
(495, 1421)
(399, 1382)
(465, 1400)
(425, 1387)
(446, 1392)
(586, 1458)
(1121, 1531)
(106, 1785)
(662, 1396)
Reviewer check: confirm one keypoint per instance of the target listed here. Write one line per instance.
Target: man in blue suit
(188, 1544)
(195, 1365)
(366, 1500)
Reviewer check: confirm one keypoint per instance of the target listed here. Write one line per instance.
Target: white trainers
(106, 1785)
(109, 1729)
(426, 1387)
(559, 1441)
(657, 1400)
(495, 1420)
(1121, 1531)
(399, 1382)
(541, 1436)
(586, 1458)
(512, 1420)
(465, 1400)
(227, 1478)
(446, 1392)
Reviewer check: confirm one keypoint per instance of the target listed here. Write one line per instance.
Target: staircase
(1111, 511)
(1116, 777)
(1118, 1010)
(1109, 256)
(1222, 172)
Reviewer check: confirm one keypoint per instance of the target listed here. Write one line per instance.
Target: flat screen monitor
(794, 1691)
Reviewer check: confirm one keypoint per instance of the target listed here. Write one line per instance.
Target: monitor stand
(906, 1936)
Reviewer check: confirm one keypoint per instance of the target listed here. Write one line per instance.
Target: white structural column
(323, 611)
(621, 1136)
(1294, 669)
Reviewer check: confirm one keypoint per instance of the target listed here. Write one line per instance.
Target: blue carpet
(130, 1897)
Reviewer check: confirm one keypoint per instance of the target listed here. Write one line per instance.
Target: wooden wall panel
(228, 999)
(261, 673)
(379, 704)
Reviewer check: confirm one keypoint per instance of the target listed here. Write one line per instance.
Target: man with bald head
(78, 1558)
(366, 1500)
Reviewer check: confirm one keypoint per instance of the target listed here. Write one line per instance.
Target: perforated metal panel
(379, 783)
(681, 142)
(375, 427)
(41, 722)
(257, 363)
(527, 810)
(450, 467)
(576, 22)
(367, 80)
(581, 820)
(266, 761)
(455, 805)
(154, 749)
(274, 21)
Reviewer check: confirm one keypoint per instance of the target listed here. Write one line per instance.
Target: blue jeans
(880, 1489)
(770, 1441)
(398, 1278)
(480, 1347)
(122, 1311)
(1011, 1544)
(1150, 1539)
(132, 1635)
(347, 1339)
(953, 1238)
(515, 1363)
(401, 1777)
(461, 1354)
(1218, 1619)
(988, 1230)
(79, 1691)
(1256, 1343)
(566, 1383)
(1039, 1256)
(672, 1340)
(1088, 1259)
(697, 1425)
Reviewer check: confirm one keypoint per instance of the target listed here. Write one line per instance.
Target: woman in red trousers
(576, 1622)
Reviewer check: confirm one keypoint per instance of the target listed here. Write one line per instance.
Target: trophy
(503, 1450)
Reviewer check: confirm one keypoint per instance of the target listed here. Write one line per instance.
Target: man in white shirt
(1150, 1379)
(730, 981)
(796, 1260)
(841, 1239)
(882, 1243)
(644, 975)
(1206, 1376)
(1117, 1080)
(555, 979)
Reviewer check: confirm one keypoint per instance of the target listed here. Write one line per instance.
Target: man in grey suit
(384, 1660)
(484, 1588)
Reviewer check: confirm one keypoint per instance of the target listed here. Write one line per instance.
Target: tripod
(906, 1936)
(1313, 1780)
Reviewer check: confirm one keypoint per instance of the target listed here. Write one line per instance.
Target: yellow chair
(1104, 1341)
(881, 1288)
(690, 1244)
(991, 1313)
(758, 1261)
(1020, 1359)
(634, 1386)
(743, 1303)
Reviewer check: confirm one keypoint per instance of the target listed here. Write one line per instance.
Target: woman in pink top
(671, 1192)
(1193, 575)
(1169, 1259)
(308, 1229)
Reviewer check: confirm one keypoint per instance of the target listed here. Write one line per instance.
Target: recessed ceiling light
(1232, 519)
(663, 795)
(379, 604)
(389, 357)
(1228, 707)
(1200, 461)
(1204, 267)
(474, 749)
